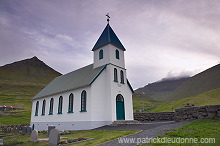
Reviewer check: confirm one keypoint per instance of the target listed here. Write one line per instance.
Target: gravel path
(149, 130)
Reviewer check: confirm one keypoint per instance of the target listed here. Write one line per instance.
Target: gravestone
(49, 129)
(24, 130)
(28, 130)
(1, 142)
(54, 137)
(34, 136)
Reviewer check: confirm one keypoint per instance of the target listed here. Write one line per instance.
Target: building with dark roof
(90, 97)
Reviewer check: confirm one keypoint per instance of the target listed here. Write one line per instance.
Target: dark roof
(73, 80)
(108, 36)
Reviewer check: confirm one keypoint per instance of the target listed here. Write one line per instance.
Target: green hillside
(200, 83)
(160, 90)
(211, 97)
(19, 82)
(142, 102)
(29, 70)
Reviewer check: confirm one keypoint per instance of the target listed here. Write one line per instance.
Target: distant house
(7, 108)
(90, 97)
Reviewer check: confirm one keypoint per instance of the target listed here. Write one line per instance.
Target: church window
(100, 54)
(43, 107)
(70, 109)
(60, 105)
(115, 75)
(51, 107)
(117, 54)
(83, 101)
(122, 77)
(37, 107)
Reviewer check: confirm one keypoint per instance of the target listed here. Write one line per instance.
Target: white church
(90, 97)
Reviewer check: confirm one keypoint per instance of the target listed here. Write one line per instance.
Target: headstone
(34, 136)
(24, 129)
(28, 130)
(50, 128)
(54, 137)
(1, 141)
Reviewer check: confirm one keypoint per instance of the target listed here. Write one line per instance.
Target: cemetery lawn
(205, 128)
(100, 136)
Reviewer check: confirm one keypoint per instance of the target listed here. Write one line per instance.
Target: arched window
(43, 107)
(36, 109)
(60, 105)
(117, 54)
(51, 107)
(122, 77)
(119, 97)
(115, 75)
(83, 101)
(100, 54)
(70, 109)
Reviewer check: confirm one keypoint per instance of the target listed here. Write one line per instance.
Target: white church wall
(100, 92)
(119, 62)
(106, 58)
(124, 90)
(65, 120)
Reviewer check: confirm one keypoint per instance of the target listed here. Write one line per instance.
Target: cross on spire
(108, 17)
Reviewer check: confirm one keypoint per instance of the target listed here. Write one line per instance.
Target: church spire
(108, 36)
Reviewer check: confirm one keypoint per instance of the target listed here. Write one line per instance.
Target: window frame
(43, 107)
(36, 108)
(115, 75)
(101, 53)
(122, 77)
(60, 105)
(117, 54)
(51, 106)
(71, 102)
(83, 101)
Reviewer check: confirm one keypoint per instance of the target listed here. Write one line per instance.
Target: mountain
(28, 70)
(161, 89)
(19, 82)
(200, 83)
(211, 97)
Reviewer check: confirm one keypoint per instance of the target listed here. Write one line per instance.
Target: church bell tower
(108, 49)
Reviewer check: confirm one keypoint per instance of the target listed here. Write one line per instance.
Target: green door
(120, 109)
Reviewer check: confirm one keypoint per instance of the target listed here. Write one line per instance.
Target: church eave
(123, 49)
(130, 86)
(98, 74)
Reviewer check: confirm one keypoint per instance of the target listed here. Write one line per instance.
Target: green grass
(205, 128)
(17, 94)
(99, 137)
(140, 99)
(208, 98)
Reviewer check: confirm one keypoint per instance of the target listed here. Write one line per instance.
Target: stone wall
(193, 112)
(181, 114)
(160, 116)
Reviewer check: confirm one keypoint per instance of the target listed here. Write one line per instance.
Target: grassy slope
(17, 94)
(148, 102)
(200, 83)
(205, 128)
(161, 89)
(19, 82)
(211, 97)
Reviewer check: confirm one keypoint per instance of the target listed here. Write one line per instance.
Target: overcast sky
(163, 38)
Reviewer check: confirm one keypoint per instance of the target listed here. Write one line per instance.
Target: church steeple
(108, 49)
(108, 37)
